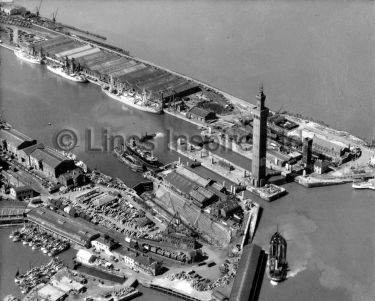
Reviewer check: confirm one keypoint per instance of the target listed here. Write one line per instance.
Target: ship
(132, 99)
(144, 155)
(147, 137)
(73, 76)
(27, 57)
(369, 184)
(129, 160)
(254, 211)
(277, 263)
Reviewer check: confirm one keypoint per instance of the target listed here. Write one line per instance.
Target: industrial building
(200, 114)
(260, 114)
(249, 269)
(50, 162)
(332, 149)
(13, 9)
(105, 66)
(140, 262)
(14, 141)
(21, 193)
(70, 228)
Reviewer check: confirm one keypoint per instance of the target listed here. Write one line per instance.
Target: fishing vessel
(23, 55)
(277, 258)
(144, 155)
(64, 72)
(369, 184)
(132, 99)
(129, 160)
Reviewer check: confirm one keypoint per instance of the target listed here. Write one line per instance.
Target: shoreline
(241, 103)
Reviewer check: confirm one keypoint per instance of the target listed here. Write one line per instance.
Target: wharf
(311, 181)
(237, 175)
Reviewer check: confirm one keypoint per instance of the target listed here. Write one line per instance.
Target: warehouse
(50, 162)
(249, 269)
(68, 227)
(179, 183)
(73, 51)
(200, 114)
(14, 141)
(84, 53)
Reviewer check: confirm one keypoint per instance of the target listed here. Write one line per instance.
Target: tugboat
(277, 258)
(147, 137)
(144, 155)
(129, 160)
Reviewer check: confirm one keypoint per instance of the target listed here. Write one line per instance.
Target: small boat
(369, 184)
(147, 137)
(277, 263)
(16, 238)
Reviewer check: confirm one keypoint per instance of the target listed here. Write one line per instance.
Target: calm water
(315, 58)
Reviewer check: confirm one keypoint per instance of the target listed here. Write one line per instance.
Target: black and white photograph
(200, 150)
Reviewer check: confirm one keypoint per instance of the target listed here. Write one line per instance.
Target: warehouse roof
(51, 293)
(193, 176)
(74, 50)
(48, 155)
(208, 194)
(329, 144)
(199, 112)
(180, 182)
(197, 196)
(67, 226)
(84, 53)
(243, 286)
(15, 137)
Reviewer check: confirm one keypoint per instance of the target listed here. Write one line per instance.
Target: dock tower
(307, 153)
(260, 114)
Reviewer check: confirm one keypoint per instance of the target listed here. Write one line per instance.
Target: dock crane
(37, 9)
(54, 14)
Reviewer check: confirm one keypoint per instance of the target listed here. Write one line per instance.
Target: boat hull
(27, 58)
(129, 101)
(78, 79)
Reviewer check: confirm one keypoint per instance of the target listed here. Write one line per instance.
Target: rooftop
(49, 156)
(15, 137)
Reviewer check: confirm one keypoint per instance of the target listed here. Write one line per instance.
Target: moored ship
(369, 184)
(27, 57)
(129, 160)
(144, 155)
(277, 263)
(73, 76)
(132, 99)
